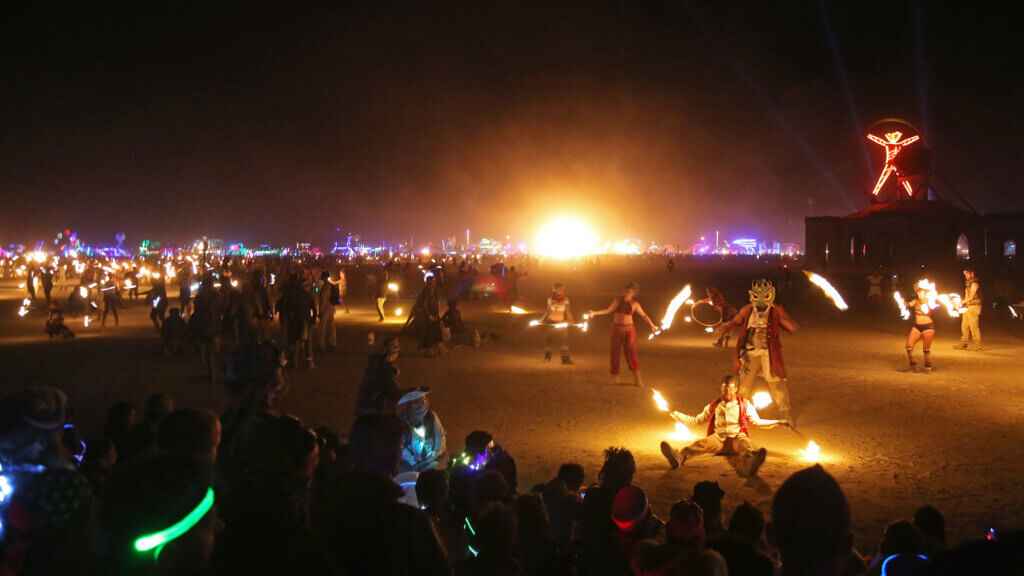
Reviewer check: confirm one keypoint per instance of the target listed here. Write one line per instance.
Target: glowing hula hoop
(158, 539)
(697, 318)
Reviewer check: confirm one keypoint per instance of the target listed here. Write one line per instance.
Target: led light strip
(158, 539)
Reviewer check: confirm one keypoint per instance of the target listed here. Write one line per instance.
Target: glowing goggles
(158, 539)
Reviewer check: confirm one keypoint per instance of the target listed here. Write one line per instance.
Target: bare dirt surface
(895, 441)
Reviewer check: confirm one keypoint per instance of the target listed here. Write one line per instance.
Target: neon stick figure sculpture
(893, 145)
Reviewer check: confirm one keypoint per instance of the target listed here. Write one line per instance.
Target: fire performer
(717, 299)
(969, 320)
(758, 348)
(923, 329)
(557, 312)
(728, 421)
(623, 334)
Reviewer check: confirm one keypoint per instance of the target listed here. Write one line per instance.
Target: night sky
(661, 120)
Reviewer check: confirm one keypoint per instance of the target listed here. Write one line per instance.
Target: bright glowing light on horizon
(566, 238)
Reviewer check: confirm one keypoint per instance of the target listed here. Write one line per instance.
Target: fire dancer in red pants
(624, 331)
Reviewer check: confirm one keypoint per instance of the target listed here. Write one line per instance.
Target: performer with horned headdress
(758, 348)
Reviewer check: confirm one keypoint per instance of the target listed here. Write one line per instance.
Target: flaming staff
(681, 432)
(670, 312)
(828, 289)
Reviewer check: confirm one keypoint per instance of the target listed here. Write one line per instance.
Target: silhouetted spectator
(900, 537)
(708, 495)
(684, 535)
(432, 494)
(120, 421)
(378, 391)
(634, 523)
(495, 544)
(191, 433)
(141, 438)
(563, 502)
(932, 525)
(810, 524)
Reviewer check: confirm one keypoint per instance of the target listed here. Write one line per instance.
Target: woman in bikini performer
(624, 331)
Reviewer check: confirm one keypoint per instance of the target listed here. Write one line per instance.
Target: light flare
(761, 400)
(673, 307)
(812, 453)
(828, 289)
(392, 287)
(904, 313)
(517, 310)
(398, 311)
(660, 400)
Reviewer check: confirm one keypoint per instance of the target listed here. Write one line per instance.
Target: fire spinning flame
(904, 313)
(812, 453)
(660, 400)
(682, 433)
(673, 307)
(398, 311)
(828, 289)
(517, 310)
(392, 287)
(762, 400)
(709, 330)
(952, 302)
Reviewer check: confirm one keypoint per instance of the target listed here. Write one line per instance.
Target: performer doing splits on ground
(557, 312)
(728, 419)
(923, 329)
(758, 348)
(624, 331)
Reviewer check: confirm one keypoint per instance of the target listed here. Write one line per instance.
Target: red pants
(624, 335)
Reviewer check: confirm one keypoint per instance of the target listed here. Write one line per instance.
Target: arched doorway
(858, 249)
(963, 248)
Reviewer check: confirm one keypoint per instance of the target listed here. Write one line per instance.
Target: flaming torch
(670, 312)
(904, 313)
(681, 433)
(517, 310)
(761, 400)
(812, 453)
(828, 289)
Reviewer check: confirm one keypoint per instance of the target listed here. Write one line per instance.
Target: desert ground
(895, 441)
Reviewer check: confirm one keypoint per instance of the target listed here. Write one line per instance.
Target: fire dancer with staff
(923, 329)
(758, 348)
(557, 312)
(728, 419)
(623, 334)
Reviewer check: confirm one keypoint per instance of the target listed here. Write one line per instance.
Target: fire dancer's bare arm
(640, 310)
(611, 308)
(697, 420)
(754, 420)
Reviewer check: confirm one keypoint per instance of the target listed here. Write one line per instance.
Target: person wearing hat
(728, 420)
(970, 330)
(623, 333)
(557, 312)
(328, 296)
(378, 391)
(634, 523)
(31, 421)
(423, 444)
(684, 535)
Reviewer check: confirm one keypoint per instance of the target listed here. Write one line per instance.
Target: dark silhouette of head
(618, 469)
(900, 537)
(810, 523)
(375, 443)
(931, 523)
(747, 521)
(572, 475)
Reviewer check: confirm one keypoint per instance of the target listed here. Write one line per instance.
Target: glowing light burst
(398, 311)
(761, 400)
(392, 287)
(828, 289)
(893, 145)
(812, 453)
(682, 433)
(709, 330)
(904, 313)
(951, 302)
(517, 310)
(566, 238)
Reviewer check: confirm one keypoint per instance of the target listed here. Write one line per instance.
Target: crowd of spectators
(182, 491)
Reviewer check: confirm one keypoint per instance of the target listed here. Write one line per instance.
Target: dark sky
(659, 119)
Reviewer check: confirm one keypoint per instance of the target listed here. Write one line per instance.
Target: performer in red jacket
(728, 420)
(758, 348)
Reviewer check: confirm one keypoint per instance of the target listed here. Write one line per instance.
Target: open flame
(673, 307)
(660, 400)
(761, 400)
(682, 433)
(828, 289)
(812, 453)
(517, 310)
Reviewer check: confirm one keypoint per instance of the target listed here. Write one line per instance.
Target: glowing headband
(158, 539)
(885, 564)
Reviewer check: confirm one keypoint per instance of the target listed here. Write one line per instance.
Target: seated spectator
(31, 422)
(932, 525)
(120, 421)
(49, 527)
(810, 524)
(378, 390)
(189, 432)
(900, 537)
(400, 539)
(537, 551)
(597, 527)
(634, 523)
(494, 544)
(703, 563)
(708, 495)
(265, 500)
(424, 443)
(563, 502)
(98, 463)
(742, 546)
(432, 494)
(143, 502)
(684, 535)
(467, 467)
(174, 333)
(142, 437)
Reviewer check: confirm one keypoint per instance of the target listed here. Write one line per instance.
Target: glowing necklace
(158, 539)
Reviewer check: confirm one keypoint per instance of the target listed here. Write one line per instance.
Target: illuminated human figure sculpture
(893, 145)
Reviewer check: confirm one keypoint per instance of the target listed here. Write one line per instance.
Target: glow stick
(162, 537)
(828, 289)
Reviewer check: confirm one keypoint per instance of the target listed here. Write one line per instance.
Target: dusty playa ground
(895, 441)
